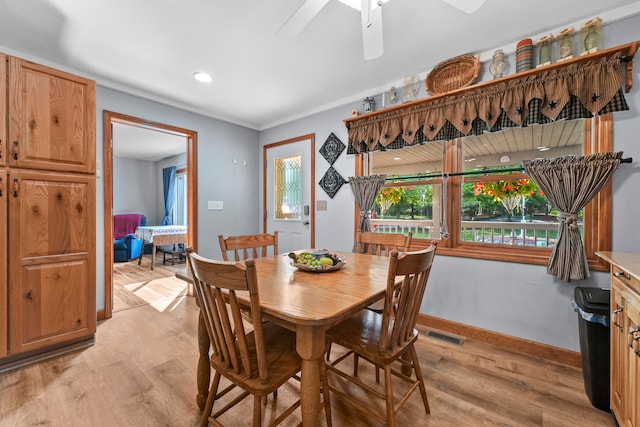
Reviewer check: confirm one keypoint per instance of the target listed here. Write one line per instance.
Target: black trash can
(592, 305)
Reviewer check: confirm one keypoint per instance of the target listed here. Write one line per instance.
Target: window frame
(598, 137)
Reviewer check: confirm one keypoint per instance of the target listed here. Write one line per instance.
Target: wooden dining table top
(320, 298)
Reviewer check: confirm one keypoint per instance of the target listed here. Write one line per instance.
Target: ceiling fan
(371, 12)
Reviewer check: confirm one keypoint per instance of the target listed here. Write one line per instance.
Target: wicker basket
(453, 74)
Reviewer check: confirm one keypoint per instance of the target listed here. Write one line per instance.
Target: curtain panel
(579, 90)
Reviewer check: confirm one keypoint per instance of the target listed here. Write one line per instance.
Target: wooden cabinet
(47, 211)
(625, 337)
(51, 119)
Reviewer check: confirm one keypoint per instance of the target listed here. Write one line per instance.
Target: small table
(159, 235)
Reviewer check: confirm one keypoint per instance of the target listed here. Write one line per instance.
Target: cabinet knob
(28, 295)
(15, 150)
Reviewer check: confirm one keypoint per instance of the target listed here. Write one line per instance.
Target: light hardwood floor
(142, 369)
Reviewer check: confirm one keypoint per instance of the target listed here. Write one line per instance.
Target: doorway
(288, 192)
(109, 119)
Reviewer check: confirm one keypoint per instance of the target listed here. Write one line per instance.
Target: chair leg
(257, 411)
(356, 358)
(328, 351)
(208, 407)
(388, 386)
(418, 371)
(325, 392)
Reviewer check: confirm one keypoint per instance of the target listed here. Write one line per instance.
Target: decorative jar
(498, 64)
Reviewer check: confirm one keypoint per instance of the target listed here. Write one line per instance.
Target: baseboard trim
(19, 360)
(520, 345)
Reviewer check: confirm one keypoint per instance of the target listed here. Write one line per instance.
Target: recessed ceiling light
(397, 158)
(470, 160)
(202, 77)
(542, 148)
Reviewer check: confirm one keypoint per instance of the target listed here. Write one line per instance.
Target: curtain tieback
(365, 214)
(569, 218)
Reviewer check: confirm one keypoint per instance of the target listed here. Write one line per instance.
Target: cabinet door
(618, 352)
(633, 375)
(3, 109)
(3, 265)
(52, 119)
(52, 259)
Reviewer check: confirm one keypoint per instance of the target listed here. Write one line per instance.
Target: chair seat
(361, 334)
(281, 358)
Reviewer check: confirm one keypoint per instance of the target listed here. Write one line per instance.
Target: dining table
(308, 303)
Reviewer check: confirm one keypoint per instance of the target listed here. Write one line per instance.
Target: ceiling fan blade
(371, 30)
(301, 18)
(467, 6)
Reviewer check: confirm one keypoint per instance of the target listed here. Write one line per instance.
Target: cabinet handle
(622, 275)
(614, 316)
(15, 150)
(28, 295)
(631, 337)
(0, 148)
(15, 188)
(1, 185)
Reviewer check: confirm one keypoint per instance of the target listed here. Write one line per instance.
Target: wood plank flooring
(141, 372)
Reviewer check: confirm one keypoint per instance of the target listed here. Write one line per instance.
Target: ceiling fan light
(467, 6)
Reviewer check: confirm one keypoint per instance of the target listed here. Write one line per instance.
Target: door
(288, 193)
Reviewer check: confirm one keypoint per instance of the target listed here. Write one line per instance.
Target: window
(472, 194)
(179, 212)
(288, 187)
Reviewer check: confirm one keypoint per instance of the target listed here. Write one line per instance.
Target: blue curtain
(168, 189)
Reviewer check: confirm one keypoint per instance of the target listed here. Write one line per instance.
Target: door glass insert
(288, 187)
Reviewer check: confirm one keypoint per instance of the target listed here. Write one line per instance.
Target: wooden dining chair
(386, 339)
(372, 243)
(257, 361)
(369, 242)
(248, 246)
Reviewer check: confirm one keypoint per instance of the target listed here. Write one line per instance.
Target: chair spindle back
(248, 246)
(406, 282)
(372, 243)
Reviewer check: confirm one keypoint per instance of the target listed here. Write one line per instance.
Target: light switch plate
(215, 205)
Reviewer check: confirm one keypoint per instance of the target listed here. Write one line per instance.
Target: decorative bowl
(319, 268)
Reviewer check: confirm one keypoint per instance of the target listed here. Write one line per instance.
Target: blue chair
(126, 246)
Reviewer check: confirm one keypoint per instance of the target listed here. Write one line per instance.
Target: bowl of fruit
(317, 261)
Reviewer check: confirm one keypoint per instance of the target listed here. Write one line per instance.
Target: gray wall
(218, 178)
(516, 299)
(134, 187)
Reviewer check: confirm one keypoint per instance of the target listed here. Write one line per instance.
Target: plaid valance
(581, 89)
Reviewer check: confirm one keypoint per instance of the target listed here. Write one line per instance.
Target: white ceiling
(152, 47)
(140, 143)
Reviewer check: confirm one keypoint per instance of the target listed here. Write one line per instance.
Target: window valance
(579, 88)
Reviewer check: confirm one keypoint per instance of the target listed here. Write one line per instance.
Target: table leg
(153, 254)
(310, 346)
(204, 367)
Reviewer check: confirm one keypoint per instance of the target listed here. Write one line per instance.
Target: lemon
(326, 261)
